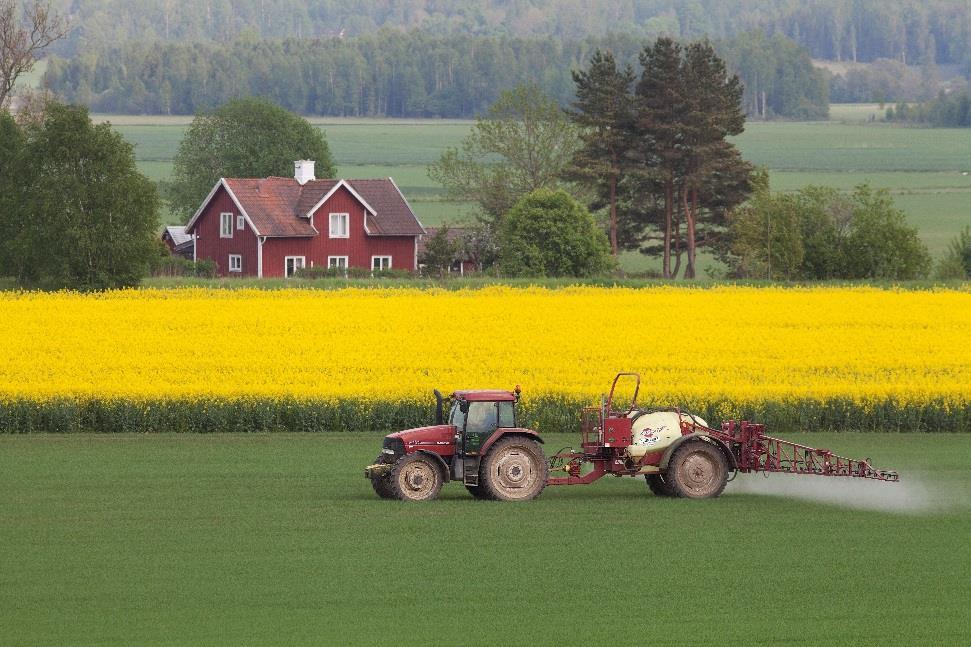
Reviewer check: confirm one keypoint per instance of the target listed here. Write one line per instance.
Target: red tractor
(481, 444)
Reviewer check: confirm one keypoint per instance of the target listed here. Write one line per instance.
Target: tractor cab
(477, 415)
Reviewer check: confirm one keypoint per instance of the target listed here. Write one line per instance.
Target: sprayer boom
(756, 452)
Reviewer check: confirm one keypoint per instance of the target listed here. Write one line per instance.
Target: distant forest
(911, 31)
(396, 74)
(439, 58)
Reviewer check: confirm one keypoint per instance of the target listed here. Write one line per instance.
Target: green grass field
(248, 539)
(924, 168)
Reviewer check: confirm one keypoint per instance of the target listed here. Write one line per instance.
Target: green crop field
(249, 539)
(928, 170)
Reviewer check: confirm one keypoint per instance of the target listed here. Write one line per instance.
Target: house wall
(358, 247)
(209, 245)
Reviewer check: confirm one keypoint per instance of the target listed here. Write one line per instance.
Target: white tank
(654, 432)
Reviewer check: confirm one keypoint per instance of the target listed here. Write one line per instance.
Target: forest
(395, 74)
(912, 31)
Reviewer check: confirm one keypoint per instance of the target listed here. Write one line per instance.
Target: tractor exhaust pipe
(439, 412)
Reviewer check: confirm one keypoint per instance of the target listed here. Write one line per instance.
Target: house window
(240, 223)
(292, 264)
(235, 263)
(379, 263)
(225, 225)
(337, 262)
(338, 225)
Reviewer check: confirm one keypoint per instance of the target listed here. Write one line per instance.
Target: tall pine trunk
(689, 218)
(613, 215)
(668, 207)
(677, 249)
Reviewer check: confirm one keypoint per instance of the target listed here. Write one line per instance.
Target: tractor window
(457, 416)
(481, 418)
(506, 414)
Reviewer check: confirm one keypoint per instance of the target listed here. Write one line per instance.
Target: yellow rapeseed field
(738, 344)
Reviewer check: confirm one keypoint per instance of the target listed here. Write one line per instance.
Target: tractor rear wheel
(657, 485)
(697, 470)
(513, 470)
(416, 477)
(382, 484)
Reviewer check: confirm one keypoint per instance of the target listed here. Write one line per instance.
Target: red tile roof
(279, 206)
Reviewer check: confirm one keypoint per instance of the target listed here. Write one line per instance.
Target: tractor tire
(657, 485)
(416, 477)
(382, 484)
(513, 470)
(697, 470)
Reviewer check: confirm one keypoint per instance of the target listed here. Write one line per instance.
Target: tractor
(481, 444)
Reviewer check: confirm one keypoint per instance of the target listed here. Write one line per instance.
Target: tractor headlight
(386, 450)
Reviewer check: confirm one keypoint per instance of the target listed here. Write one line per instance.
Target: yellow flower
(737, 344)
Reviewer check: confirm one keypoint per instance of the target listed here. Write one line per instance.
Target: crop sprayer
(481, 444)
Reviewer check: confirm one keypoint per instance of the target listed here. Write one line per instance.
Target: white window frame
(287, 259)
(380, 267)
(240, 222)
(332, 265)
(347, 225)
(239, 263)
(226, 224)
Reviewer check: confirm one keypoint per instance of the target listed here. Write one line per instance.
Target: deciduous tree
(84, 217)
(439, 253)
(22, 37)
(524, 143)
(249, 137)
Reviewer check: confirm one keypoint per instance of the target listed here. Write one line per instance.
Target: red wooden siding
(209, 245)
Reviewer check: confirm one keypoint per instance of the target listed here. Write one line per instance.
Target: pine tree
(712, 102)
(656, 131)
(603, 110)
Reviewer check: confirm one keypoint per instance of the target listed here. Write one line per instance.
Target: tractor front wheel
(416, 477)
(657, 485)
(382, 484)
(513, 470)
(698, 470)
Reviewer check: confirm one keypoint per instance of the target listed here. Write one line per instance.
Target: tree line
(397, 74)
(912, 31)
(947, 110)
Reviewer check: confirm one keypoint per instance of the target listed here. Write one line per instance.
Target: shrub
(548, 233)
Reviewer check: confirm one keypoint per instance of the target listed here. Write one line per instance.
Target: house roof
(281, 207)
(178, 235)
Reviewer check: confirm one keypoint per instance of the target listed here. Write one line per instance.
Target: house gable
(211, 244)
(221, 184)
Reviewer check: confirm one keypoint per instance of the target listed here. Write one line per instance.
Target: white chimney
(303, 171)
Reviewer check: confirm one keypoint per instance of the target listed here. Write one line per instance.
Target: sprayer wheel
(657, 485)
(697, 470)
(514, 470)
(416, 477)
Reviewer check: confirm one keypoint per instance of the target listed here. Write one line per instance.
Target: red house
(275, 226)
